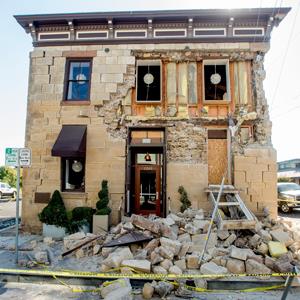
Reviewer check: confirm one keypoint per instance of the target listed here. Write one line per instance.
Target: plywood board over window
(217, 155)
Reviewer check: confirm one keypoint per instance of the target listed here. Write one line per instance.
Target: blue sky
(282, 63)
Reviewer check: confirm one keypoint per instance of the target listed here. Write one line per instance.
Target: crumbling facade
(149, 101)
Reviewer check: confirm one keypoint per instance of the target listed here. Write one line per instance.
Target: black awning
(71, 141)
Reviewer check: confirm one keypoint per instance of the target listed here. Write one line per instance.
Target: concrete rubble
(176, 244)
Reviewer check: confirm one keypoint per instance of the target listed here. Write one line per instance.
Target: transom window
(78, 80)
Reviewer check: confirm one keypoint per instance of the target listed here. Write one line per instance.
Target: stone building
(149, 101)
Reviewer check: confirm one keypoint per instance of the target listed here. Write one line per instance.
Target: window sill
(74, 103)
(216, 102)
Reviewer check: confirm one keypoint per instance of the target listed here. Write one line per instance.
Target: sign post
(17, 157)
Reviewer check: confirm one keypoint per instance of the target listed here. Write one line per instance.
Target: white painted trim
(170, 36)
(209, 29)
(248, 28)
(92, 38)
(53, 33)
(131, 37)
(216, 62)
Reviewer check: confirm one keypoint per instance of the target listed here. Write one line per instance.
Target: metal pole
(212, 219)
(17, 209)
(288, 284)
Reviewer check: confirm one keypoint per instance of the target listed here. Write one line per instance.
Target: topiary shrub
(55, 212)
(184, 199)
(83, 213)
(102, 203)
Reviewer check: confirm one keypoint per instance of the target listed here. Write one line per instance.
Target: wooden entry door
(217, 156)
(147, 189)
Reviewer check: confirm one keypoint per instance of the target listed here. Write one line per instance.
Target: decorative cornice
(258, 21)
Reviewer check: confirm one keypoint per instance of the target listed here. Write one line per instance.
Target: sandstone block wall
(255, 174)
(107, 115)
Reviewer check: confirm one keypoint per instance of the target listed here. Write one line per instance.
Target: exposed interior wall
(193, 177)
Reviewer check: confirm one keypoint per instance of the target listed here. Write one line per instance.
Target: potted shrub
(81, 219)
(54, 217)
(101, 219)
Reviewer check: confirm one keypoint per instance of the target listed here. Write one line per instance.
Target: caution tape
(148, 276)
(289, 200)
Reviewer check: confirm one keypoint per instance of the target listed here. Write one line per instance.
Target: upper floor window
(148, 81)
(78, 80)
(216, 80)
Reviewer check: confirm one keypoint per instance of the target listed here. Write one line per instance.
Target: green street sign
(11, 157)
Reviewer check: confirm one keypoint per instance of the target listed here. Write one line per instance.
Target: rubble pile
(173, 245)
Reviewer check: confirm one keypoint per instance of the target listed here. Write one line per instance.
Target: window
(73, 173)
(216, 80)
(148, 81)
(78, 80)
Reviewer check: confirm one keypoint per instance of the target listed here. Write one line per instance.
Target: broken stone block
(199, 242)
(192, 213)
(218, 251)
(141, 254)
(163, 288)
(41, 257)
(229, 240)
(269, 262)
(254, 267)
(143, 223)
(281, 236)
(283, 264)
(277, 249)
(159, 270)
(73, 240)
(263, 248)
(241, 242)
(254, 241)
(175, 245)
(191, 229)
(141, 265)
(148, 291)
(106, 289)
(155, 257)
(181, 264)
(185, 248)
(175, 270)
(96, 249)
(295, 247)
(126, 270)
(48, 240)
(128, 226)
(123, 293)
(168, 232)
(168, 221)
(80, 253)
(115, 258)
(105, 251)
(184, 238)
(192, 261)
(152, 245)
(176, 219)
(166, 264)
(212, 268)
(222, 234)
(166, 252)
(235, 266)
(241, 254)
(265, 235)
(201, 225)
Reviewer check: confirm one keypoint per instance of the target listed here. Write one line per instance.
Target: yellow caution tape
(289, 200)
(150, 276)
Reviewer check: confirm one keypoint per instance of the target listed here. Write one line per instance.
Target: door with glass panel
(147, 187)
